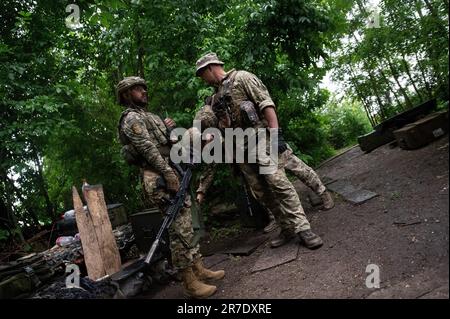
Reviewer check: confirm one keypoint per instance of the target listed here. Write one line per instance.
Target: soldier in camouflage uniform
(277, 193)
(293, 164)
(145, 144)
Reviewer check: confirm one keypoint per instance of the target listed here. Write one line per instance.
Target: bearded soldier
(145, 144)
(238, 93)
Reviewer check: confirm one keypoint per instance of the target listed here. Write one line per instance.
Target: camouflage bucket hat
(127, 83)
(207, 59)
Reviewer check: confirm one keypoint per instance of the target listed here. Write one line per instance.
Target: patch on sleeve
(137, 129)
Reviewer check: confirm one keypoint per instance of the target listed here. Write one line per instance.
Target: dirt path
(404, 231)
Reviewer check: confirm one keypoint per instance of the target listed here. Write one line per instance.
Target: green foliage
(344, 121)
(401, 62)
(59, 117)
(4, 234)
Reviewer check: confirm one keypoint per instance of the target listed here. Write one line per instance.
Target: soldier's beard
(140, 103)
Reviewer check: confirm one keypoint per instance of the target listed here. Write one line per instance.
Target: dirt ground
(404, 231)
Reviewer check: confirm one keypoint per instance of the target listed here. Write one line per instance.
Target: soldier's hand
(200, 197)
(172, 183)
(170, 123)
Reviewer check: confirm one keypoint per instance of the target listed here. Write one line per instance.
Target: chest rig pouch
(249, 115)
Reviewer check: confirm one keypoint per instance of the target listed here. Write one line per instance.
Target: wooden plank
(98, 211)
(91, 249)
(246, 248)
(274, 257)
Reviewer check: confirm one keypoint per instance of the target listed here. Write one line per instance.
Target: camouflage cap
(127, 83)
(207, 59)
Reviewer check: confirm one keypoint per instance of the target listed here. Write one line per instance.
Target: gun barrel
(150, 254)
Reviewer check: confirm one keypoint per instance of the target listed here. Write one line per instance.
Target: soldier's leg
(272, 225)
(292, 212)
(303, 172)
(181, 235)
(184, 254)
(290, 205)
(308, 176)
(262, 193)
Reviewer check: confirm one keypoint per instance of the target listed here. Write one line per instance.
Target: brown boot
(270, 227)
(203, 273)
(310, 240)
(328, 202)
(194, 288)
(283, 238)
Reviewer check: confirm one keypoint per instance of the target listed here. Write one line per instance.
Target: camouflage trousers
(181, 234)
(303, 172)
(277, 193)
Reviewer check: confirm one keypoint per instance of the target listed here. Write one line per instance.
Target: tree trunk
(394, 74)
(43, 185)
(399, 103)
(9, 207)
(422, 72)
(374, 85)
(429, 47)
(362, 98)
(442, 29)
(408, 72)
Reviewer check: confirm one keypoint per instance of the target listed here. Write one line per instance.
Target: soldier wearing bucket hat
(205, 61)
(241, 100)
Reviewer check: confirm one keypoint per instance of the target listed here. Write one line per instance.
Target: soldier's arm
(134, 128)
(271, 117)
(255, 90)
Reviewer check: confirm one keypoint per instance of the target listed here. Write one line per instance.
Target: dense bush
(344, 121)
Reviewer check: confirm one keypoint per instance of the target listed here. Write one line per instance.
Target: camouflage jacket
(148, 134)
(244, 86)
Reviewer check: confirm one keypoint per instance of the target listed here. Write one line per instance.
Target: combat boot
(327, 199)
(309, 239)
(270, 227)
(194, 288)
(203, 273)
(283, 238)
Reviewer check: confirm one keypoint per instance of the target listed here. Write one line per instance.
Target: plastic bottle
(69, 214)
(64, 240)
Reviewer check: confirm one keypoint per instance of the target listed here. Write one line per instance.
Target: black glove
(282, 146)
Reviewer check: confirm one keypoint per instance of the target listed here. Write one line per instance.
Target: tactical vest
(157, 131)
(242, 115)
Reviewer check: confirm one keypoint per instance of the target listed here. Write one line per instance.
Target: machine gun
(175, 206)
(221, 109)
(247, 198)
(171, 213)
